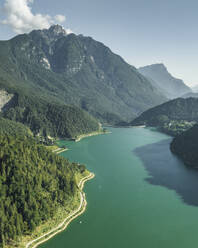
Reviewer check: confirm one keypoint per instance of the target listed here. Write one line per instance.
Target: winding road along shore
(63, 225)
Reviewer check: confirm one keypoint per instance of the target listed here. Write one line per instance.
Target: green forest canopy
(34, 182)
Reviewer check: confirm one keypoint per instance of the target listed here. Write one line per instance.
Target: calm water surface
(142, 195)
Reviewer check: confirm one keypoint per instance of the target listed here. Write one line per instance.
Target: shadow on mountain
(167, 170)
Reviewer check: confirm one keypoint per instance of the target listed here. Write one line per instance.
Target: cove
(142, 195)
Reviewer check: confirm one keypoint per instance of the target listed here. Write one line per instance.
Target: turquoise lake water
(142, 195)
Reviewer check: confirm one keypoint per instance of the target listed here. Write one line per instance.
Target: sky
(143, 32)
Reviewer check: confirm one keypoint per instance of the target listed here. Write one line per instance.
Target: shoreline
(80, 137)
(63, 225)
(63, 150)
(139, 126)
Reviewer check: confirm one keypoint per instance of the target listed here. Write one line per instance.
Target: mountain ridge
(76, 70)
(159, 76)
(176, 109)
(172, 117)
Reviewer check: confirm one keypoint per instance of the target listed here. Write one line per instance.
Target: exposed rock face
(5, 97)
(52, 34)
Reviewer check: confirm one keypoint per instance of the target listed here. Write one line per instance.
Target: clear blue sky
(141, 31)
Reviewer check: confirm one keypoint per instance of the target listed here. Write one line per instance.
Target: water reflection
(167, 170)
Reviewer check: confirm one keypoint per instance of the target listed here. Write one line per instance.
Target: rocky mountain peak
(50, 35)
(159, 66)
(57, 30)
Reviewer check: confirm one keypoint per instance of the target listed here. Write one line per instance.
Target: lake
(142, 196)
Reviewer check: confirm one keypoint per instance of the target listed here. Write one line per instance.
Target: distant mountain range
(75, 70)
(161, 79)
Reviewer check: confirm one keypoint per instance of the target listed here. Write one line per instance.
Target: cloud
(69, 31)
(60, 18)
(20, 18)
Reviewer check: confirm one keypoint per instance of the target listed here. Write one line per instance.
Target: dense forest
(33, 183)
(185, 146)
(172, 117)
(49, 118)
(13, 128)
(177, 109)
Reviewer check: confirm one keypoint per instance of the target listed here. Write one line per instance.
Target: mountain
(160, 78)
(75, 70)
(172, 117)
(185, 146)
(177, 109)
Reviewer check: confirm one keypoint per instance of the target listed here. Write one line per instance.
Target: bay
(142, 195)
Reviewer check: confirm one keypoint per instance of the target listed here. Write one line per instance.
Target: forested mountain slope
(34, 183)
(173, 117)
(45, 118)
(177, 109)
(8, 127)
(185, 146)
(75, 70)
